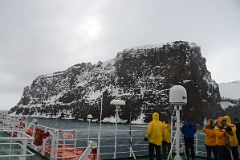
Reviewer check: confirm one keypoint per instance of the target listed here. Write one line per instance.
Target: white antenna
(178, 98)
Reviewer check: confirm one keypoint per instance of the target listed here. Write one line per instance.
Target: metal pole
(100, 128)
(116, 117)
(34, 132)
(53, 143)
(44, 144)
(88, 130)
(24, 151)
(172, 132)
(130, 134)
(178, 129)
(56, 145)
(196, 139)
(75, 143)
(130, 127)
(63, 144)
(10, 149)
(177, 156)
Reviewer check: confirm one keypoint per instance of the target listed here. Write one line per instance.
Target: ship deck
(37, 156)
(4, 150)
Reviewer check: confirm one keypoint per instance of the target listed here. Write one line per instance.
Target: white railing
(63, 144)
(14, 146)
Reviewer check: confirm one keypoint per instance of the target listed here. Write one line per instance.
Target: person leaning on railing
(232, 138)
(222, 131)
(210, 140)
(154, 134)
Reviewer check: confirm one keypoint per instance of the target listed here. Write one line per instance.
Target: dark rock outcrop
(142, 76)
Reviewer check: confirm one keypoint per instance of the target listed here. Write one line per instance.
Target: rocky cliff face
(142, 76)
(230, 94)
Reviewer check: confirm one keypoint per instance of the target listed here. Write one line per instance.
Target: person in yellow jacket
(232, 138)
(221, 132)
(210, 140)
(154, 134)
(166, 144)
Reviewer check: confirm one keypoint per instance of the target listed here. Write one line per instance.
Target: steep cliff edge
(142, 76)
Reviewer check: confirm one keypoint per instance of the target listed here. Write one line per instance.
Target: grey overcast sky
(43, 36)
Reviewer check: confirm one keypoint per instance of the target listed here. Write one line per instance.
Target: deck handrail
(132, 138)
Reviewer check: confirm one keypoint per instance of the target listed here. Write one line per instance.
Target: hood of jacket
(220, 119)
(155, 116)
(210, 122)
(228, 121)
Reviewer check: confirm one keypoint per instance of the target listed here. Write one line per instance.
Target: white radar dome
(177, 95)
(89, 116)
(117, 102)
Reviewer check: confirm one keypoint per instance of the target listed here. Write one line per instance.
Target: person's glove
(145, 139)
(228, 129)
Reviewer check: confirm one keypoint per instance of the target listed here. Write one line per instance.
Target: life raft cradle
(61, 151)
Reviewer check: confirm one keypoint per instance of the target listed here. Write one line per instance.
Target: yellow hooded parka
(155, 130)
(233, 138)
(210, 138)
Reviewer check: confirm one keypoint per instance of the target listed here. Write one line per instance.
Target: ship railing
(60, 142)
(127, 148)
(14, 147)
(129, 142)
(199, 144)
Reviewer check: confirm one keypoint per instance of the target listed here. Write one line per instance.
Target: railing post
(33, 134)
(56, 145)
(100, 129)
(196, 141)
(44, 143)
(75, 143)
(89, 122)
(130, 142)
(24, 152)
(63, 144)
(115, 146)
(52, 156)
(172, 140)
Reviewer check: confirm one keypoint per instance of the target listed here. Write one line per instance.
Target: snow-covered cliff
(142, 76)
